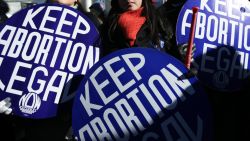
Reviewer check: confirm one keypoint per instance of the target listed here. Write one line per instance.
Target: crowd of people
(129, 23)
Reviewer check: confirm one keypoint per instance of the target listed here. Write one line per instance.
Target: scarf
(130, 23)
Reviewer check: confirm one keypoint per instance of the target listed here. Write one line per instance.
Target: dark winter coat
(171, 9)
(167, 43)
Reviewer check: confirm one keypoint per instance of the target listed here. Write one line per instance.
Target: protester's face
(66, 2)
(130, 5)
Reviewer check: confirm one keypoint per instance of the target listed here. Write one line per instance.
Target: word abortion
(223, 29)
(18, 44)
(103, 125)
(219, 23)
(219, 30)
(42, 46)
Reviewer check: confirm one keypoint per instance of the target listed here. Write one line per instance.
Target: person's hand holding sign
(221, 38)
(5, 106)
(187, 50)
(183, 52)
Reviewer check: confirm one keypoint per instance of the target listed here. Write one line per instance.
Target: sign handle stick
(191, 38)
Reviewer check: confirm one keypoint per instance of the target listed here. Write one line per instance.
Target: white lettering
(16, 77)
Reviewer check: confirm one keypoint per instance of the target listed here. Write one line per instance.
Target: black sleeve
(168, 34)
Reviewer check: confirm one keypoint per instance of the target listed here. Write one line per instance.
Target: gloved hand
(183, 50)
(5, 106)
(194, 66)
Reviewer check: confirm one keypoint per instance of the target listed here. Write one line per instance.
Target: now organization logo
(29, 103)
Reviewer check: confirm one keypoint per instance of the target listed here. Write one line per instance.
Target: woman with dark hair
(133, 23)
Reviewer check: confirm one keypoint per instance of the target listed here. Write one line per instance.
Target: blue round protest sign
(42, 48)
(221, 40)
(140, 94)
